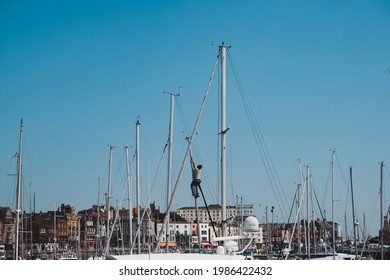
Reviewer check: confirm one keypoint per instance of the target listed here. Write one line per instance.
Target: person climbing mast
(196, 170)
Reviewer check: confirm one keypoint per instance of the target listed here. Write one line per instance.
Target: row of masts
(222, 52)
(355, 221)
(223, 49)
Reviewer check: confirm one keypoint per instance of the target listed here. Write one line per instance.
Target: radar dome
(251, 224)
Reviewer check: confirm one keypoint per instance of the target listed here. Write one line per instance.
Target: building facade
(234, 214)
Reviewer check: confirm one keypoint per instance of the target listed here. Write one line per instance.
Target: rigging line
(230, 167)
(155, 177)
(298, 211)
(179, 107)
(388, 174)
(189, 147)
(120, 170)
(373, 212)
(289, 217)
(146, 139)
(256, 128)
(150, 191)
(346, 185)
(326, 186)
(114, 222)
(384, 185)
(142, 200)
(262, 147)
(318, 203)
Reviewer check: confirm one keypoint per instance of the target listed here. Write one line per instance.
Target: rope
(149, 195)
(261, 145)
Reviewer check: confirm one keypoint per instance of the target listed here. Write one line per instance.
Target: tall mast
(129, 200)
(137, 179)
(223, 49)
(55, 228)
(108, 203)
(170, 141)
(307, 211)
(381, 212)
(312, 216)
(333, 229)
(18, 188)
(98, 221)
(299, 209)
(353, 213)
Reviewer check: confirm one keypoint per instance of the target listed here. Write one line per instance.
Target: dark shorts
(196, 182)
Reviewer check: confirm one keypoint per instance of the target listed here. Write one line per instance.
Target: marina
(137, 131)
(140, 233)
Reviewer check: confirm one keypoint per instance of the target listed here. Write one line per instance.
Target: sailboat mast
(170, 141)
(223, 49)
(137, 179)
(299, 209)
(333, 229)
(129, 200)
(381, 212)
(98, 235)
(353, 213)
(108, 203)
(18, 188)
(307, 211)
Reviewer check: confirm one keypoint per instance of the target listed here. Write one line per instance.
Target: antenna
(172, 93)
(230, 35)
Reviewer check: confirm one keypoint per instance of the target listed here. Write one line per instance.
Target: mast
(223, 49)
(129, 200)
(346, 228)
(307, 212)
(299, 209)
(333, 229)
(381, 212)
(353, 213)
(108, 203)
(18, 189)
(170, 140)
(55, 228)
(137, 179)
(312, 216)
(98, 221)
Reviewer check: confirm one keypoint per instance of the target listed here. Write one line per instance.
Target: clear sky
(80, 74)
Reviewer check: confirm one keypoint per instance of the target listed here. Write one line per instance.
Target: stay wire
(262, 147)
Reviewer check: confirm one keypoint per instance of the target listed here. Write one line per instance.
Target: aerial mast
(223, 49)
(170, 140)
(381, 212)
(129, 200)
(108, 203)
(18, 189)
(137, 179)
(353, 213)
(333, 224)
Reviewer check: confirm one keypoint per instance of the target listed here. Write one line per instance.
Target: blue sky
(80, 74)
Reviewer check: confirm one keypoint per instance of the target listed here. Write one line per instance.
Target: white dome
(220, 250)
(251, 224)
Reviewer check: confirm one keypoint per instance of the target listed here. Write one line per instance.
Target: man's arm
(191, 159)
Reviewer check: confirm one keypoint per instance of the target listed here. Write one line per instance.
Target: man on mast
(196, 170)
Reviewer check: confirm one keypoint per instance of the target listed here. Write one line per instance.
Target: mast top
(171, 93)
